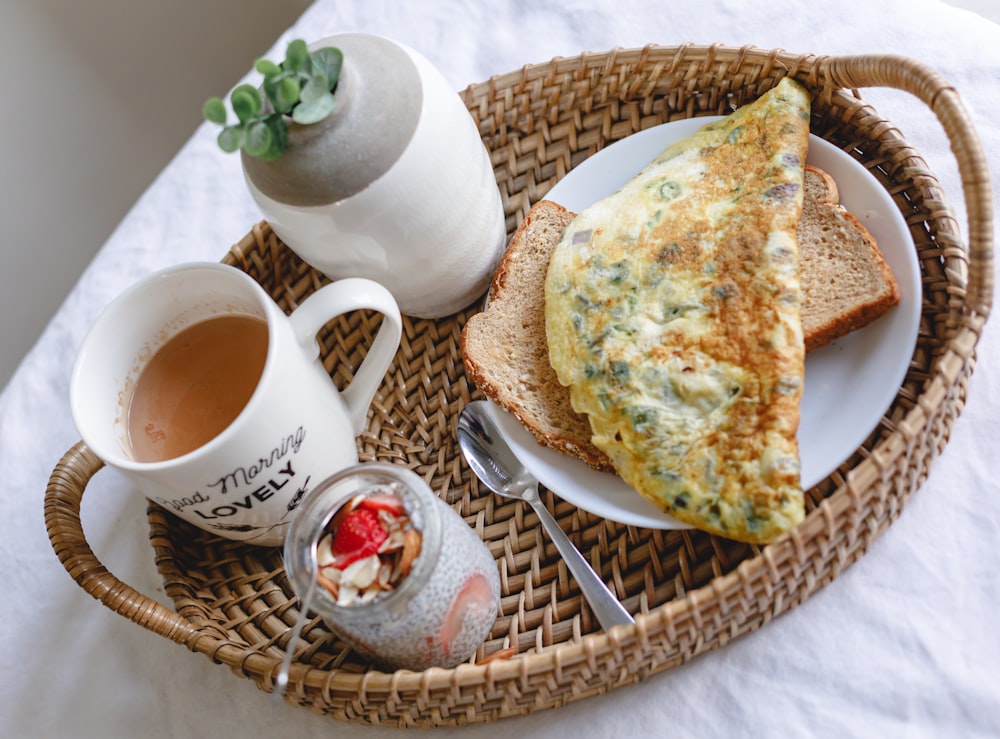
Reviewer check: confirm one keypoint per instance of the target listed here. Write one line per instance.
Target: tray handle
(940, 96)
(63, 496)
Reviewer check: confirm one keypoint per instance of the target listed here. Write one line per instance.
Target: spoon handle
(606, 607)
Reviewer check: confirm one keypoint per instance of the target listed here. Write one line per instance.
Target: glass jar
(442, 609)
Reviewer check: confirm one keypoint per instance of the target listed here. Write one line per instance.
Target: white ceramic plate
(849, 383)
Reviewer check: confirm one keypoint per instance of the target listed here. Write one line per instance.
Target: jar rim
(317, 510)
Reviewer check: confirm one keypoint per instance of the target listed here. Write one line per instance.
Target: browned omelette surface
(673, 315)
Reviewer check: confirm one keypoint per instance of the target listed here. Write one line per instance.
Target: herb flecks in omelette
(672, 313)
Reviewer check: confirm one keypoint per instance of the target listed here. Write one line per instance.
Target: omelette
(672, 312)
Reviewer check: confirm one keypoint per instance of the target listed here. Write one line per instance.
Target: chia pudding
(400, 576)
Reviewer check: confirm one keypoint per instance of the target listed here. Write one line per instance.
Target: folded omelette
(672, 314)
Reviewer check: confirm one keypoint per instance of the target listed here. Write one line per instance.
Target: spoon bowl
(491, 459)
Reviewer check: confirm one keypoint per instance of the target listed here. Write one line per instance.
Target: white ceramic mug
(295, 430)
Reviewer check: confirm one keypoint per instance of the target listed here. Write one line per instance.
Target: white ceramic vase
(395, 186)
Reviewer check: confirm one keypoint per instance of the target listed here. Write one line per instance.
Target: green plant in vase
(300, 88)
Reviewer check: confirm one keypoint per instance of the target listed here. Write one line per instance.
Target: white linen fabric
(902, 644)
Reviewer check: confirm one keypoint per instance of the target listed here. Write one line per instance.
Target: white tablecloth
(904, 643)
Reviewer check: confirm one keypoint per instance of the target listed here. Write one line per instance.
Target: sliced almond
(393, 542)
(412, 541)
(362, 573)
(330, 585)
(324, 551)
(348, 595)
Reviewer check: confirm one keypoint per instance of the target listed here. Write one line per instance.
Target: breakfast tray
(690, 592)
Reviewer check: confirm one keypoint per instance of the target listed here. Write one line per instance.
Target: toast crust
(504, 348)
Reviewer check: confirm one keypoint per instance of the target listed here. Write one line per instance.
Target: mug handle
(344, 296)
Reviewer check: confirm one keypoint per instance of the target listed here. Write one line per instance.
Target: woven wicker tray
(690, 592)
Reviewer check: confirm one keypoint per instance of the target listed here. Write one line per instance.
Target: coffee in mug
(195, 386)
(198, 387)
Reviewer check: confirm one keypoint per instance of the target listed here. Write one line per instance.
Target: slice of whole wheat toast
(846, 284)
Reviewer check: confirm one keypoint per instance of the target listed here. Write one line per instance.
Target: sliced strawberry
(359, 535)
(475, 598)
(384, 502)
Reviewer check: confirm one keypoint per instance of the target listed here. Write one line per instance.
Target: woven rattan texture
(690, 591)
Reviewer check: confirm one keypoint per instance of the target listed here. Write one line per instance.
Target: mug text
(245, 475)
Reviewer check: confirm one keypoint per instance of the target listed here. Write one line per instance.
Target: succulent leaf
(286, 95)
(214, 111)
(314, 89)
(279, 136)
(267, 68)
(329, 61)
(231, 138)
(246, 102)
(297, 56)
(315, 111)
(259, 139)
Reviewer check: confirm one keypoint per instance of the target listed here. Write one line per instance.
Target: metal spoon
(495, 465)
(281, 680)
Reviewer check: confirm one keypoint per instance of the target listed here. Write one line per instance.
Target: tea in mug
(195, 386)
